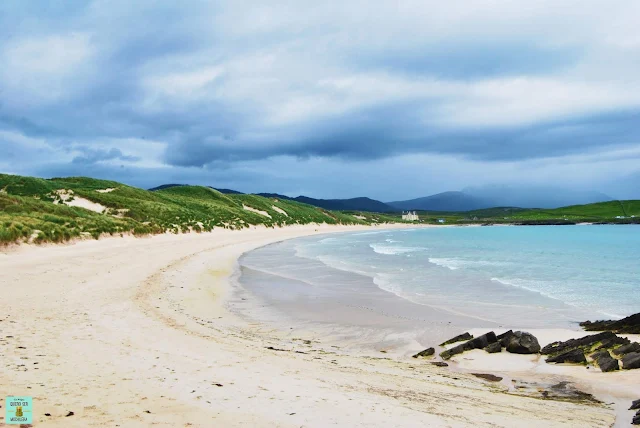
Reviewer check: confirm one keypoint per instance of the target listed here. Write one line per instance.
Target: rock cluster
(479, 342)
(518, 342)
(591, 343)
(597, 346)
(628, 325)
(635, 406)
(574, 356)
(607, 350)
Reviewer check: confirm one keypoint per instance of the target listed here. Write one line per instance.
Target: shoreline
(135, 331)
(351, 333)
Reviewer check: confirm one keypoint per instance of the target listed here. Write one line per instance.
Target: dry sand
(134, 332)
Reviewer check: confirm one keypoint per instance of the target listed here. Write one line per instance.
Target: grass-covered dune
(57, 210)
(60, 209)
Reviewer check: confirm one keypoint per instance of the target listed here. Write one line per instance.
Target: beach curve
(134, 332)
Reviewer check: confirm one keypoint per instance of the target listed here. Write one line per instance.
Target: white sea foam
(529, 285)
(342, 265)
(453, 264)
(393, 250)
(327, 240)
(388, 283)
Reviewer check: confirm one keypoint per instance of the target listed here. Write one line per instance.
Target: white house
(410, 216)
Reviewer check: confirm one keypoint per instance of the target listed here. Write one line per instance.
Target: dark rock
(47, 414)
(448, 353)
(586, 343)
(440, 364)
(628, 325)
(627, 349)
(483, 341)
(575, 356)
(504, 338)
(600, 354)
(631, 361)
(487, 376)
(69, 414)
(635, 405)
(606, 362)
(493, 348)
(611, 343)
(426, 353)
(479, 342)
(523, 343)
(636, 419)
(458, 338)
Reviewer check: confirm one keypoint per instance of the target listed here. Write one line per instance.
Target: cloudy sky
(390, 99)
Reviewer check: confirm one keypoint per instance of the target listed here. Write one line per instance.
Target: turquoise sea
(537, 276)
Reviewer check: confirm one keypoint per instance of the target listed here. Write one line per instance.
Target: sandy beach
(136, 332)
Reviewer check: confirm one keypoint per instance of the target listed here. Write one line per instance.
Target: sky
(388, 99)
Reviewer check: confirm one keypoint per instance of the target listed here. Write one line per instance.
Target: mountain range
(472, 198)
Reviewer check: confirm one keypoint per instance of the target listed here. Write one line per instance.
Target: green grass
(27, 210)
(602, 212)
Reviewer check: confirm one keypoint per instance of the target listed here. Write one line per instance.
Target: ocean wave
(377, 232)
(394, 250)
(529, 285)
(455, 264)
(389, 284)
(339, 264)
(327, 240)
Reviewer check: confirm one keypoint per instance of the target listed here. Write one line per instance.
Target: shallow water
(536, 277)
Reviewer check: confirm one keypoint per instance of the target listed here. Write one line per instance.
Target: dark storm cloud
(384, 132)
(91, 156)
(218, 83)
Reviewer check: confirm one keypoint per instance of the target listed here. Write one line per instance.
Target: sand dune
(134, 332)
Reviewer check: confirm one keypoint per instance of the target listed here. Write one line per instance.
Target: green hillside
(39, 210)
(57, 210)
(602, 212)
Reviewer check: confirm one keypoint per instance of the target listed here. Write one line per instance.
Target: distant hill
(446, 201)
(534, 196)
(353, 204)
(477, 198)
(168, 186)
(273, 195)
(165, 186)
